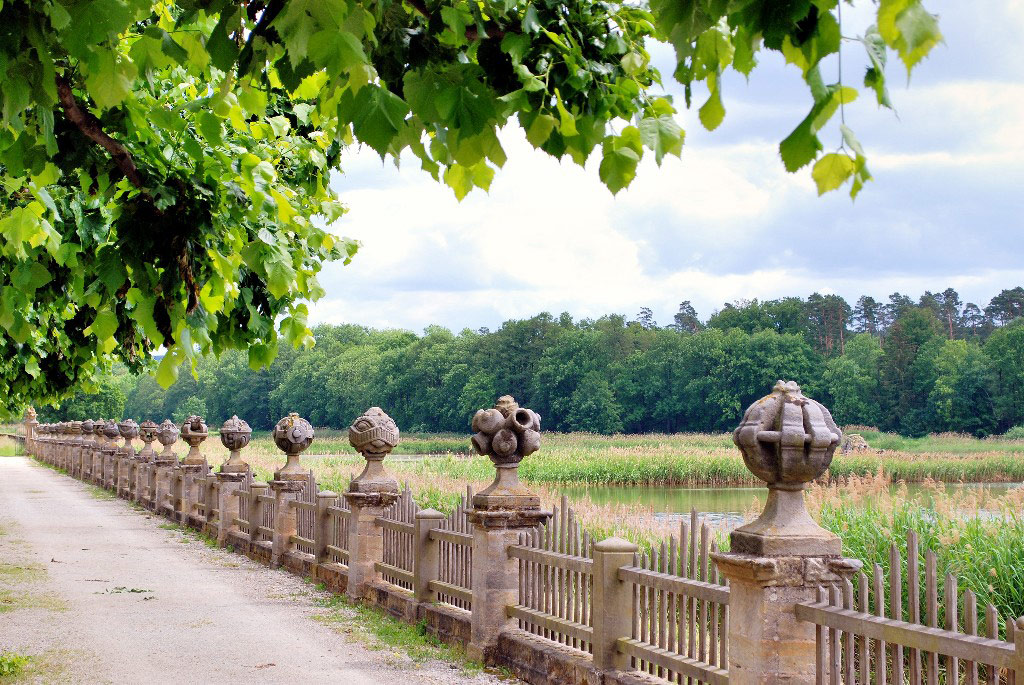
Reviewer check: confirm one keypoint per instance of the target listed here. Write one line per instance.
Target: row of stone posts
(775, 563)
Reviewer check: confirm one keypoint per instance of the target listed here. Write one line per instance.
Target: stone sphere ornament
(148, 433)
(787, 440)
(292, 435)
(194, 432)
(129, 430)
(111, 432)
(234, 435)
(374, 434)
(167, 434)
(506, 433)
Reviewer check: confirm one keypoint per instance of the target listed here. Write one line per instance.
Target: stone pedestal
(767, 643)
(495, 575)
(190, 475)
(365, 538)
(227, 504)
(285, 520)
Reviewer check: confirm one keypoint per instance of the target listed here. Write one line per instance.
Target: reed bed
(582, 459)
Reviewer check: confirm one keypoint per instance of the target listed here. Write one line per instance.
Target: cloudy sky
(726, 221)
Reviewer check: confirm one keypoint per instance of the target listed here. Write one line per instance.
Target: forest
(936, 364)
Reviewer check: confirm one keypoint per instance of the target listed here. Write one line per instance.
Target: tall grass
(977, 537)
(684, 459)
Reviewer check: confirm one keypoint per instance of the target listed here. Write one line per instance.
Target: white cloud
(726, 222)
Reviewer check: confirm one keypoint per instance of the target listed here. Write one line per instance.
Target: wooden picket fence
(863, 636)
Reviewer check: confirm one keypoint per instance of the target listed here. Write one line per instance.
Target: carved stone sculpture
(167, 434)
(234, 435)
(111, 432)
(194, 432)
(292, 435)
(148, 432)
(787, 440)
(374, 434)
(129, 430)
(506, 433)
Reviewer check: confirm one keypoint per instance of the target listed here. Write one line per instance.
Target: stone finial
(234, 435)
(194, 432)
(148, 432)
(167, 434)
(30, 414)
(506, 433)
(75, 428)
(292, 435)
(87, 428)
(129, 430)
(111, 432)
(373, 434)
(787, 440)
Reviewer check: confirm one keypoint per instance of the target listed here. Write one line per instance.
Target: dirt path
(97, 591)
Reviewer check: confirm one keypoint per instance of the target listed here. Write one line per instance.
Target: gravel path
(97, 591)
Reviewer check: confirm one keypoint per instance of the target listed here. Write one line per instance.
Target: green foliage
(1006, 350)
(106, 400)
(165, 165)
(1015, 433)
(192, 406)
(852, 382)
(12, 665)
(593, 408)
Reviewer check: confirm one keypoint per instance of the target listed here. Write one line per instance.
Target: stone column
(108, 457)
(322, 532)
(85, 449)
(30, 424)
(292, 435)
(506, 433)
(612, 603)
(426, 555)
(373, 435)
(235, 434)
(193, 466)
(165, 465)
(143, 484)
(779, 560)
(126, 464)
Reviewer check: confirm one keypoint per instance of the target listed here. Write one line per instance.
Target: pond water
(719, 505)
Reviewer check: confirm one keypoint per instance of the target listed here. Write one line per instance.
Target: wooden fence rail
(858, 643)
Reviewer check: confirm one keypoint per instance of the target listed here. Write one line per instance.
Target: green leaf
(459, 179)
(280, 273)
(831, 171)
(379, 114)
(712, 112)
(540, 129)
(104, 325)
(222, 49)
(167, 371)
(618, 167)
(662, 135)
(919, 33)
(109, 80)
(210, 128)
(531, 22)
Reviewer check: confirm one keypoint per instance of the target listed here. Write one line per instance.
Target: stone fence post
(612, 603)
(108, 455)
(779, 560)
(506, 433)
(322, 532)
(235, 434)
(165, 464)
(124, 479)
(374, 434)
(426, 553)
(292, 435)
(143, 467)
(31, 424)
(193, 466)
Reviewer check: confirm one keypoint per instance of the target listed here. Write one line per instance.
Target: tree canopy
(165, 165)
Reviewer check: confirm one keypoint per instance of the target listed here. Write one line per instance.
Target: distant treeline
(932, 365)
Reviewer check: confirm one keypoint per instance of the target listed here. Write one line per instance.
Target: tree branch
(90, 127)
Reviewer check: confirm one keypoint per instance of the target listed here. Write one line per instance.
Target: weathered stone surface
(373, 434)
(506, 434)
(542, 662)
(292, 435)
(194, 432)
(787, 440)
(235, 434)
